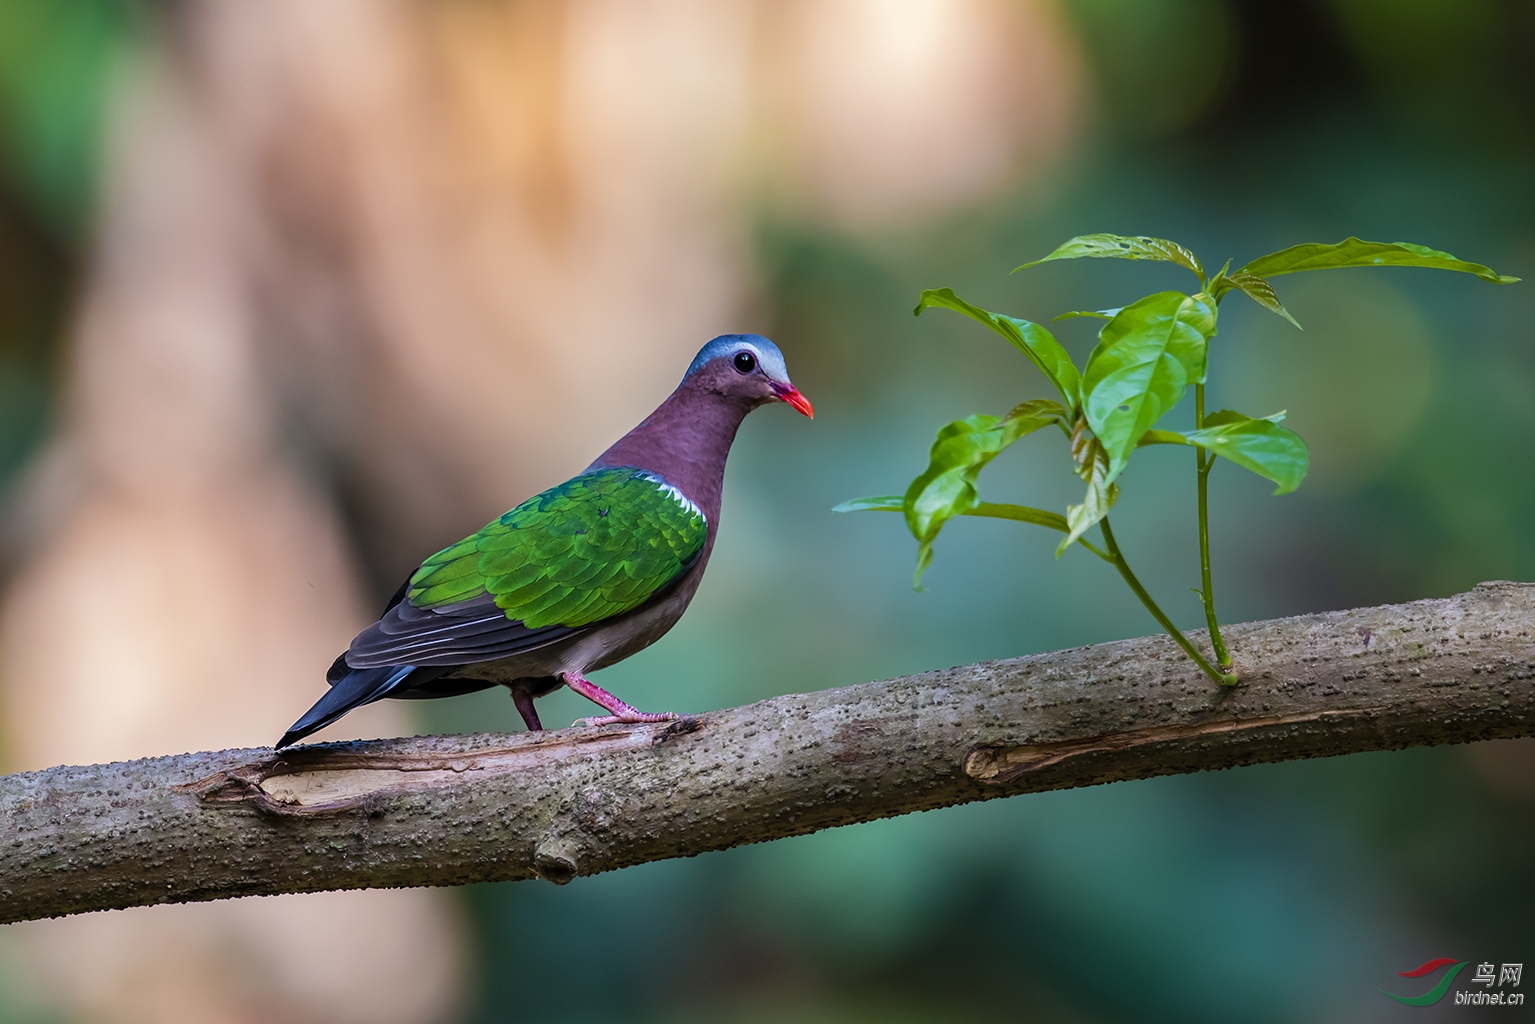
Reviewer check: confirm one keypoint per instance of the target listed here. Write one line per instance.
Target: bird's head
(746, 366)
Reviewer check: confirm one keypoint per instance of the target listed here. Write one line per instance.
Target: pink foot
(617, 710)
(631, 718)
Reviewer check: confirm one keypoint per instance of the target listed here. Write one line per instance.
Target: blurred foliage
(1158, 65)
(57, 61)
(34, 286)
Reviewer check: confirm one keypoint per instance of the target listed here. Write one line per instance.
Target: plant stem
(1101, 554)
(1206, 462)
(1117, 556)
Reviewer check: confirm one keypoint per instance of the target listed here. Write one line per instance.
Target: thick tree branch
(450, 810)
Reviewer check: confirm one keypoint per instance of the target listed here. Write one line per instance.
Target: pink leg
(618, 710)
(524, 703)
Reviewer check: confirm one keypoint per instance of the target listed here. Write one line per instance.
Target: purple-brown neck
(687, 439)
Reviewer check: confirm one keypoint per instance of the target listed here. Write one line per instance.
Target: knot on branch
(557, 859)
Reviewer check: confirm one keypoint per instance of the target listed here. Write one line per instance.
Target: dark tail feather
(358, 687)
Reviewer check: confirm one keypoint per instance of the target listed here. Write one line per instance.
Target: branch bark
(458, 809)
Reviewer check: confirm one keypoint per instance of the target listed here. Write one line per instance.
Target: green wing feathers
(595, 546)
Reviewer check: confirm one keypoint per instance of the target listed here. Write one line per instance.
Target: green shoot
(1149, 354)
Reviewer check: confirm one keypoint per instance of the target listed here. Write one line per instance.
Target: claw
(635, 719)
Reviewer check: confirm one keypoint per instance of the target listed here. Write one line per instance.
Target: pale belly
(598, 647)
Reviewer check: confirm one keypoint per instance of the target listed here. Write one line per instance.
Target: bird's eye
(745, 362)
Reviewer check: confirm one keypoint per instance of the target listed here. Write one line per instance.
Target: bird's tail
(357, 687)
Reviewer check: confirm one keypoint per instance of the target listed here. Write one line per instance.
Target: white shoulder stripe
(680, 498)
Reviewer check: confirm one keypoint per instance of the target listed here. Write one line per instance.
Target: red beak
(789, 393)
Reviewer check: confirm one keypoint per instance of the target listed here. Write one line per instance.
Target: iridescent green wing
(595, 546)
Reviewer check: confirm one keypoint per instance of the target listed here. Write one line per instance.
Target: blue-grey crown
(768, 356)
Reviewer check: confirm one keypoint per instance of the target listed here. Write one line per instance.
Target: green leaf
(1273, 452)
(961, 451)
(1254, 287)
(1101, 314)
(1146, 358)
(1351, 252)
(1224, 416)
(1029, 338)
(1124, 247)
(1261, 445)
(1150, 437)
(1100, 497)
(985, 509)
(1022, 514)
(883, 503)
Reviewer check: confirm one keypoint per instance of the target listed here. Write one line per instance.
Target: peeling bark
(457, 809)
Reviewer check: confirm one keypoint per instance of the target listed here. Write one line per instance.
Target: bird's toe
(638, 718)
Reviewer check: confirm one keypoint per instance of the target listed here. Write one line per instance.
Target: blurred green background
(1279, 893)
